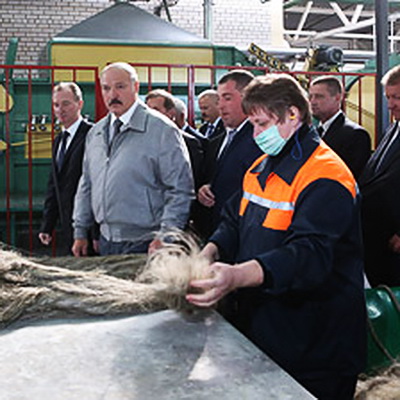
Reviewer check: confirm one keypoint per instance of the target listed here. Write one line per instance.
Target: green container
(383, 327)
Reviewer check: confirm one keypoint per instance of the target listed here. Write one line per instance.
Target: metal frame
(350, 22)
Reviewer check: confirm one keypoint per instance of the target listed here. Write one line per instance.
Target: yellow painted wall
(367, 105)
(99, 55)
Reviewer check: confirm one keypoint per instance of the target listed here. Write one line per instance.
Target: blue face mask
(270, 141)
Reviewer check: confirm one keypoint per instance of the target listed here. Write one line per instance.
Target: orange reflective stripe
(280, 198)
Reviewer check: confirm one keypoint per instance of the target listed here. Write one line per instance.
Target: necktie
(320, 130)
(63, 147)
(227, 142)
(388, 149)
(116, 128)
(210, 130)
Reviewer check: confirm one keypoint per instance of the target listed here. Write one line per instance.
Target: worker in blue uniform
(287, 255)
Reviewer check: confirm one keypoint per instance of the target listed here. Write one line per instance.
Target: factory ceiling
(348, 24)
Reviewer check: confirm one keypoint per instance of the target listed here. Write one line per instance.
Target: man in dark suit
(380, 189)
(213, 125)
(66, 168)
(348, 139)
(172, 107)
(181, 114)
(227, 156)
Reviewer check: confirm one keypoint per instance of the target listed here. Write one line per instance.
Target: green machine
(383, 307)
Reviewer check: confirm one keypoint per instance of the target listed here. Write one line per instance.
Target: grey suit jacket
(140, 184)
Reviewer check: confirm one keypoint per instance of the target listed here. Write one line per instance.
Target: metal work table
(160, 356)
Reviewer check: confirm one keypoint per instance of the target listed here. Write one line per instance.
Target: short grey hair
(392, 77)
(208, 93)
(180, 107)
(122, 66)
(71, 86)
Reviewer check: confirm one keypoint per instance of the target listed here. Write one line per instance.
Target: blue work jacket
(298, 216)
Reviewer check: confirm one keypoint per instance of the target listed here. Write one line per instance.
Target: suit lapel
(56, 145)
(334, 127)
(235, 142)
(381, 147)
(76, 142)
(369, 172)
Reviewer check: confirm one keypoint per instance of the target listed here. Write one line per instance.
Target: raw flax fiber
(68, 287)
(385, 385)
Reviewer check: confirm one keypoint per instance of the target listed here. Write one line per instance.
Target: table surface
(160, 356)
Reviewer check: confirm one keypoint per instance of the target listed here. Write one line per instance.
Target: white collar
(126, 117)
(215, 123)
(238, 128)
(329, 122)
(74, 127)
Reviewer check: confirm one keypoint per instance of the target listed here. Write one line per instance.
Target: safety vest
(280, 197)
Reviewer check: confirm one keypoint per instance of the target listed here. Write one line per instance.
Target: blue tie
(63, 147)
(210, 130)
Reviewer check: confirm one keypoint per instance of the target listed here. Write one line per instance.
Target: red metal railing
(26, 77)
(191, 86)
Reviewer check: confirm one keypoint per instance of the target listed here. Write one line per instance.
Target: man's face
(230, 104)
(209, 108)
(66, 108)
(158, 103)
(323, 104)
(118, 90)
(392, 93)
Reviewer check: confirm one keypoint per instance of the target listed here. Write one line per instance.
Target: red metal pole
(30, 181)
(149, 80)
(8, 141)
(360, 100)
(169, 77)
(191, 95)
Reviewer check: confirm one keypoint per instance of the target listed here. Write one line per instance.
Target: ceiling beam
(340, 13)
(303, 18)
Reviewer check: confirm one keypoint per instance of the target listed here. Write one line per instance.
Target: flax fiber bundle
(67, 287)
(385, 385)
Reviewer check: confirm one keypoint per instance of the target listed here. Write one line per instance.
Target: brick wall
(235, 22)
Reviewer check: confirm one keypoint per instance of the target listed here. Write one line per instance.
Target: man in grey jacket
(136, 178)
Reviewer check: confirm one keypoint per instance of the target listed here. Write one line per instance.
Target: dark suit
(225, 174)
(194, 132)
(61, 189)
(350, 141)
(218, 130)
(196, 153)
(380, 189)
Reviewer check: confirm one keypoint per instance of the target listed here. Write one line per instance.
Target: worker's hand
(210, 252)
(80, 248)
(45, 238)
(206, 196)
(394, 243)
(224, 279)
(154, 245)
(214, 288)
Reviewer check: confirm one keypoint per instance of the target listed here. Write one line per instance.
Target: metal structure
(348, 24)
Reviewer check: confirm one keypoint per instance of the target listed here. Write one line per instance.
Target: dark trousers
(108, 247)
(331, 388)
